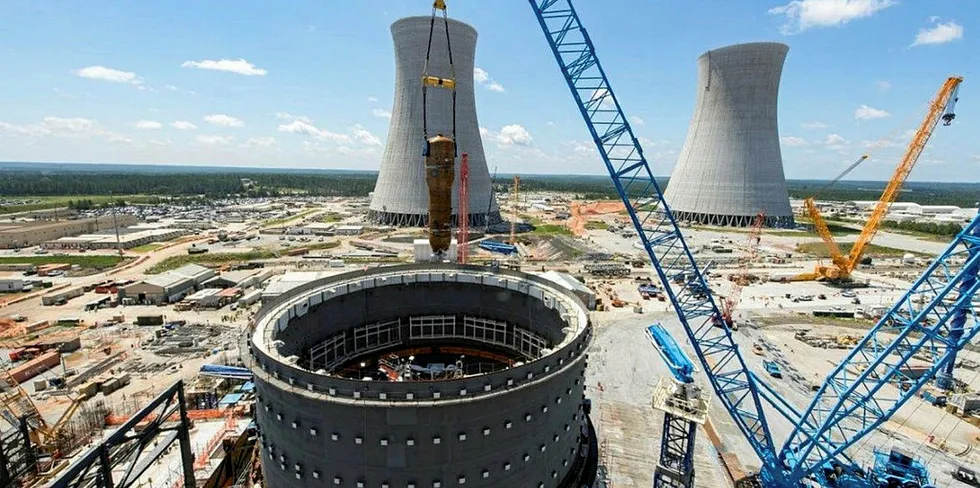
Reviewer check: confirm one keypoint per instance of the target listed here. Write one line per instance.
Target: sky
(309, 83)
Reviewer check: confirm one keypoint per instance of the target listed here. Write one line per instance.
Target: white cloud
(834, 141)
(813, 125)
(865, 112)
(261, 142)
(216, 140)
(793, 141)
(384, 114)
(801, 15)
(149, 125)
(71, 127)
(223, 120)
(307, 128)
(75, 124)
(365, 136)
(373, 99)
(879, 144)
(171, 87)
(637, 120)
(509, 136)
(299, 127)
(607, 100)
(481, 77)
(182, 125)
(238, 66)
(939, 33)
(22, 130)
(883, 85)
(102, 73)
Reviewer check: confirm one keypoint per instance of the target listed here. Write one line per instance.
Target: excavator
(941, 108)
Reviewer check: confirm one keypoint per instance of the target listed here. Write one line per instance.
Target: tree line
(220, 185)
(176, 184)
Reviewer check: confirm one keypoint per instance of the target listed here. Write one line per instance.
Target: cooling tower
(400, 195)
(730, 168)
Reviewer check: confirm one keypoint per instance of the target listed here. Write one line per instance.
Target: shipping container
(36, 366)
(37, 326)
(149, 320)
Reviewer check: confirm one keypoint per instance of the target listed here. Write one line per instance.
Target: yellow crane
(941, 108)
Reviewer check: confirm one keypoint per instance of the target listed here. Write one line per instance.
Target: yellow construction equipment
(941, 108)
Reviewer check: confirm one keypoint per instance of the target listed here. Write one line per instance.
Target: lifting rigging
(940, 109)
(439, 151)
(429, 80)
(848, 406)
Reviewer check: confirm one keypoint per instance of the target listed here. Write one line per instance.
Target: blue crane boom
(932, 315)
(679, 364)
(658, 230)
(935, 314)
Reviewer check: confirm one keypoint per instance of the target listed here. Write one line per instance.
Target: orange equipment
(941, 108)
(741, 278)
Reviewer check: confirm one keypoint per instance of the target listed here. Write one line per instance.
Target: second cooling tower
(730, 167)
(400, 196)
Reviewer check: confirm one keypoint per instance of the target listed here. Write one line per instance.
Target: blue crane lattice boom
(658, 231)
(935, 315)
(852, 402)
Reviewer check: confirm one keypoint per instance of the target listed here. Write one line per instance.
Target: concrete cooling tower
(730, 168)
(400, 195)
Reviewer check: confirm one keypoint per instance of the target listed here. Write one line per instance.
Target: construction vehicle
(741, 278)
(684, 407)
(899, 468)
(772, 368)
(846, 407)
(941, 108)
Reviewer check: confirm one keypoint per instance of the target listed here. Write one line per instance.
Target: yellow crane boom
(941, 108)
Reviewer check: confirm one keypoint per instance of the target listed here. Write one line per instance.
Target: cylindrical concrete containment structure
(730, 167)
(400, 195)
(439, 172)
(429, 375)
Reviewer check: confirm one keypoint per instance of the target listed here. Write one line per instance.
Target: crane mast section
(853, 399)
(658, 231)
(937, 111)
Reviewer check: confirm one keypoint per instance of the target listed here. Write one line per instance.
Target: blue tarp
(231, 399)
(247, 388)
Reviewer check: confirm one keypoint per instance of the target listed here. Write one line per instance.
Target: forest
(174, 183)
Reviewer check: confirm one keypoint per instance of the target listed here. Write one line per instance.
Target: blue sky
(223, 83)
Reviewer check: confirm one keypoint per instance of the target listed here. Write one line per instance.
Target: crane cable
(427, 80)
(882, 143)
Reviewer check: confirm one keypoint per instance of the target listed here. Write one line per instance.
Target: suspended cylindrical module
(439, 176)
(730, 167)
(400, 196)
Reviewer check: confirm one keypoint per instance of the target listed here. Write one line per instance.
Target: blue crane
(684, 408)
(935, 314)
